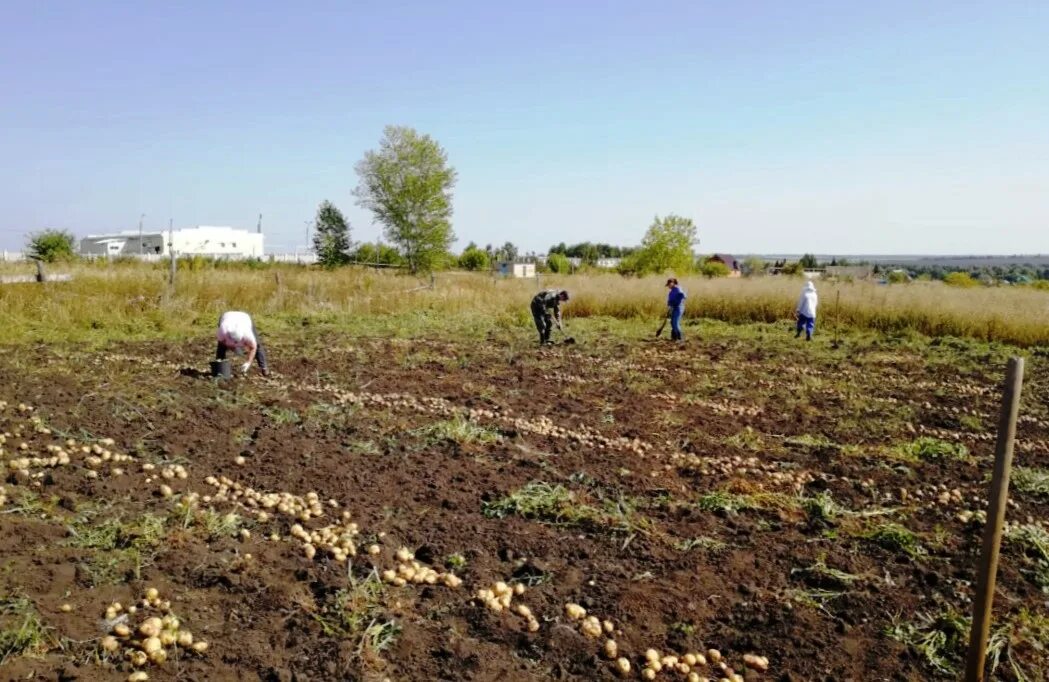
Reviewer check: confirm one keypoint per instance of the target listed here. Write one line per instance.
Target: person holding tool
(675, 308)
(542, 305)
(237, 333)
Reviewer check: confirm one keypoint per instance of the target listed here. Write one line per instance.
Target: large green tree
(407, 183)
(667, 246)
(331, 236)
(52, 245)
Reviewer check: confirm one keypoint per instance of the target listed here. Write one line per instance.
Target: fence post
(992, 533)
(433, 282)
(171, 251)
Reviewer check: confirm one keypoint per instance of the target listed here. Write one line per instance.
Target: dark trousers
(806, 324)
(544, 322)
(260, 352)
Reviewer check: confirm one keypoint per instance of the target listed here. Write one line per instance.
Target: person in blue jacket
(675, 308)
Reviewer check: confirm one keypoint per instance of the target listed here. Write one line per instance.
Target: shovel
(567, 340)
(662, 325)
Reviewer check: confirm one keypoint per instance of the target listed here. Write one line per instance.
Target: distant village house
(505, 268)
(729, 262)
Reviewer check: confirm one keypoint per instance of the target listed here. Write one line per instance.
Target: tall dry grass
(133, 301)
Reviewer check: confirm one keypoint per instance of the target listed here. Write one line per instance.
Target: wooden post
(837, 318)
(992, 533)
(171, 250)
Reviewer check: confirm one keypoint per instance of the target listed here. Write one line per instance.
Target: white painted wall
(508, 269)
(204, 240)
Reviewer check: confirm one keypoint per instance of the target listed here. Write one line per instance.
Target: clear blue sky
(832, 127)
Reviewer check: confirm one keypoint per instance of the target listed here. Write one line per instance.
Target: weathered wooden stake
(992, 533)
(171, 250)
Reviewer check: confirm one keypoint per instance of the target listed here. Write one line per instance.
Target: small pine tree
(331, 238)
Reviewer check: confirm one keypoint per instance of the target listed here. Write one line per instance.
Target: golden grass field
(133, 301)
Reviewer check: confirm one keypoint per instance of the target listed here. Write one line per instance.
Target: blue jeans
(675, 322)
(808, 324)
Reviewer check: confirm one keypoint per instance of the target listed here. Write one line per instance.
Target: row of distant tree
(407, 183)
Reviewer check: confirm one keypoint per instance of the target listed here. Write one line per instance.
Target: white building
(203, 240)
(507, 268)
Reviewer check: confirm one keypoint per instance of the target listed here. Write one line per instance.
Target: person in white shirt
(237, 333)
(805, 311)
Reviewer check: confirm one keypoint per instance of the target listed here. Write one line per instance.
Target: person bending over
(237, 333)
(546, 309)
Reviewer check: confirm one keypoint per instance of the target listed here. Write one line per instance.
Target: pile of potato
(499, 598)
(147, 633)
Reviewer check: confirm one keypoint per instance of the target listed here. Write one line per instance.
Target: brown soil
(648, 430)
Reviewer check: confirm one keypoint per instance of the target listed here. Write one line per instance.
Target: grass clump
(216, 525)
(1022, 638)
(282, 416)
(896, 538)
(723, 502)
(708, 544)
(821, 509)
(821, 574)
(539, 501)
(807, 441)
(556, 504)
(928, 448)
(1033, 540)
(1031, 480)
(118, 548)
(459, 430)
(939, 640)
(357, 613)
(747, 439)
(816, 598)
(21, 630)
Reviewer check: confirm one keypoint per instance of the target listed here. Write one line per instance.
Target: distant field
(132, 301)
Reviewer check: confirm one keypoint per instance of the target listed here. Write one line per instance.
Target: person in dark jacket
(675, 308)
(546, 309)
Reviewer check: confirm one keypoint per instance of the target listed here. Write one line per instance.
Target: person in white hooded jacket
(805, 312)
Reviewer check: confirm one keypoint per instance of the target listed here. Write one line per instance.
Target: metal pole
(992, 534)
